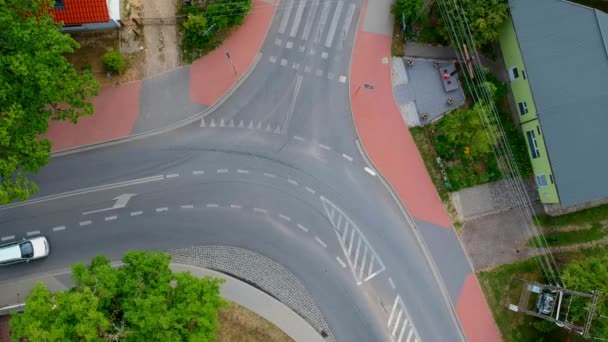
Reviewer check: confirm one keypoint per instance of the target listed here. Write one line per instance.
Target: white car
(24, 251)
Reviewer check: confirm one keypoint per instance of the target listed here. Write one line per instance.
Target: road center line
(9, 237)
(84, 191)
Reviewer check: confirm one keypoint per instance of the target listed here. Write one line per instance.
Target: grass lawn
(596, 232)
(240, 324)
(579, 218)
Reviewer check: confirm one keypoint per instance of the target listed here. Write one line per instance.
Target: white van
(24, 251)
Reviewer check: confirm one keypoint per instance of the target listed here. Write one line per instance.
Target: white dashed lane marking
(172, 175)
(320, 242)
(286, 218)
(212, 205)
(198, 172)
(260, 210)
(312, 191)
(283, 62)
(302, 228)
(342, 79)
(187, 206)
(298, 138)
(236, 206)
(58, 228)
(111, 218)
(222, 170)
(136, 213)
(272, 59)
(342, 263)
(162, 209)
(347, 157)
(85, 223)
(370, 171)
(270, 175)
(391, 283)
(242, 171)
(34, 232)
(292, 182)
(9, 237)
(325, 147)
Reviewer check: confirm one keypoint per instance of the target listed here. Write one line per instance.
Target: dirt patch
(160, 36)
(240, 324)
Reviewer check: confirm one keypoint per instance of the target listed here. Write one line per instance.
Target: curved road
(275, 170)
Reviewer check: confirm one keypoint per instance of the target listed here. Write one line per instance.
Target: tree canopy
(37, 82)
(483, 17)
(406, 10)
(142, 300)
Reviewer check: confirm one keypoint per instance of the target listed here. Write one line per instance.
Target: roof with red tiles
(75, 12)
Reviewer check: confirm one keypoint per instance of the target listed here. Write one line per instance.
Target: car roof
(10, 252)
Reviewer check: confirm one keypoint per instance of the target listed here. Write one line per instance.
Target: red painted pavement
(474, 313)
(116, 109)
(389, 144)
(212, 76)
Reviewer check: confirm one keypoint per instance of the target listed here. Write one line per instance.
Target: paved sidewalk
(233, 289)
(166, 99)
(387, 141)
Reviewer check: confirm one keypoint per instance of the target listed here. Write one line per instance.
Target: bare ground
(160, 36)
(240, 324)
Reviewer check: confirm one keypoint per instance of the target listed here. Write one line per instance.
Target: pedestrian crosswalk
(363, 261)
(399, 324)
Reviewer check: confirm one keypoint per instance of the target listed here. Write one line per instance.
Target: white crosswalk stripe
(347, 21)
(285, 19)
(309, 20)
(334, 24)
(399, 323)
(297, 19)
(322, 22)
(363, 261)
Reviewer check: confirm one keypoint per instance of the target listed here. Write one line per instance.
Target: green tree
(483, 18)
(196, 33)
(36, 83)
(406, 10)
(142, 300)
(588, 275)
(464, 129)
(225, 13)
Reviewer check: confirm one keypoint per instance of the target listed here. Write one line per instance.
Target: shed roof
(565, 52)
(76, 12)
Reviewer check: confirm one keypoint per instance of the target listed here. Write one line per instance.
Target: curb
(182, 123)
(398, 201)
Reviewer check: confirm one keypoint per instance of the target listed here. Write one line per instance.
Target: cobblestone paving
(264, 273)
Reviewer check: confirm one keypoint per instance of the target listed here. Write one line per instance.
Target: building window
(513, 74)
(523, 74)
(533, 146)
(551, 179)
(541, 181)
(59, 4)
(538, 130)
(523, 108)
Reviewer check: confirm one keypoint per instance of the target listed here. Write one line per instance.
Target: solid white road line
(85, 223)
(347, 157)
(34, 232)
(292, 105)
(198, 172)
(334, 24)
(111, 218)
(285, 19)
(304, 229)
(370, 171)
(84, 191)
(161, 209)
(286, 218)
(187, 206)
(260, 210)
(293, 182)
(322, 22)
(320, 242)
(297, 19)
(342, 263)
(309, 20)
(136, 213)
(58, 228)
(9, 237)
(270, 175)
(212, 205)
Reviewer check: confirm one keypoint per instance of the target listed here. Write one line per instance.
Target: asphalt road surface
(275, 170)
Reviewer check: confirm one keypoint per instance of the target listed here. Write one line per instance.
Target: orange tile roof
(82, 11)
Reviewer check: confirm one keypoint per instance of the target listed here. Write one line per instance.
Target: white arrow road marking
(121, 202)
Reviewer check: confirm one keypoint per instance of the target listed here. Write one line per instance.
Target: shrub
(196, 33)
(406, 10)
(114, 61)
(225, 13)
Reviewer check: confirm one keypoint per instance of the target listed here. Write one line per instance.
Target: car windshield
(27, 250)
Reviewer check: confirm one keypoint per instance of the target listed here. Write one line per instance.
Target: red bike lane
(388, 143)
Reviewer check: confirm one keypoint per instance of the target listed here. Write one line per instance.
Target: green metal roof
(565, 51)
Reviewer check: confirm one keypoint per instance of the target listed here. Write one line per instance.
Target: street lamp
(366, 86)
